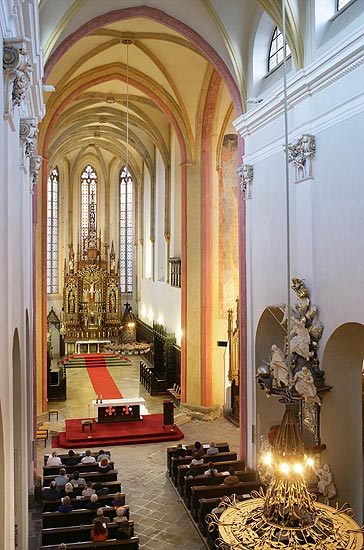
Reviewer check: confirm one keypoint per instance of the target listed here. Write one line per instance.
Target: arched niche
(2, 484)
(20, 451)
(341, 415)
(269, 331)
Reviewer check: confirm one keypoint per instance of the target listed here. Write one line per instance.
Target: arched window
(52, 232)
(126, 231)
(340, 4)
(275, 57)
(88, 198)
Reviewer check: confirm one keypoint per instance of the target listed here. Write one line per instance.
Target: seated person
(71, 459)
(62, 546)
(212, 450)
(100, 488)
(211, 471)
(66, 505)
(120, 514)
(68, 490)
(124, 531)
(196, 459)
(100, 516)
(101, 455)
(118, 500)
(104, 466)
(88, 458)
(88, 490)
(62, 478)
(198, 449)
(180, 452)
(190, 473)
(51, 492)
(78, 481)
(54, 460)
(94, 503)
(231, 479)
(99, 532)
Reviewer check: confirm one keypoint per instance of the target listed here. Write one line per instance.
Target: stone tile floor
(161, 521)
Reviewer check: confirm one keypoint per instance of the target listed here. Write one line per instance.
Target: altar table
(119, 410)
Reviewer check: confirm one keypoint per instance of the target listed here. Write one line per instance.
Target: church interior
(176, 208)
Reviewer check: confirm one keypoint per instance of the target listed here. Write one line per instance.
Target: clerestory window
(275, 57)
(126, 231)
(52, 232)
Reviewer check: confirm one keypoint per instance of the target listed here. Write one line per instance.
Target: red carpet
(148, 430)
(100, 377)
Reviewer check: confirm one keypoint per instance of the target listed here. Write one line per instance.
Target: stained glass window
(341, 3)
(276, 50)
(88, 200)
(126, 231)
(52, 232)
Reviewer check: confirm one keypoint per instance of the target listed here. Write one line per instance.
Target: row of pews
(74, 528)
(198, 493)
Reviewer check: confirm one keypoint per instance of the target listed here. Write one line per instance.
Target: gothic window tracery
(275, 56)
(52, 232)
(88, 197)
(126, 231)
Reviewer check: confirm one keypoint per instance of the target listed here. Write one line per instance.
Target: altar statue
(278, 367)
(300, 338)
(71, 302)
(325, 485)
(305, 385)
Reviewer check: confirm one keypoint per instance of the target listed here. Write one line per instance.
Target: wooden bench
(110, 544)
(205, 506)
(88, 467)
(175, 394)
(88, 476)
(199, 481)
(112, 487)
(76, 533)
(201, 468)
(244, 487)
(76, 517)
(220, 457)
(63, 456)
(77, 503)
(223, 448)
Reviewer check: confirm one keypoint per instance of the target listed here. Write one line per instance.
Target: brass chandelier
(288, 516)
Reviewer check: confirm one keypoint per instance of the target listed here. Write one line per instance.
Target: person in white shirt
(196, 459)
(212, 450)
(88, 458)
(211, 471)
(54, 460)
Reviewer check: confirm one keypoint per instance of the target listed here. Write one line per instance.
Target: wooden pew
(205, 506)
(199, 481)
(76, 517)
(244, 487)
(88, 476)
(82, 468)
(77, 503)
(76, 533)
(223, 448)
(110, 544)
(206, 458)
(112, 487)
(79, 455)
(201, 468)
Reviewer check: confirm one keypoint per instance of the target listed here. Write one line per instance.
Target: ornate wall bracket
(28, 133)
(17, 70)
(300, 154)
(34, 167)
(246, 174)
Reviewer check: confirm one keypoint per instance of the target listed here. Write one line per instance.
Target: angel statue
(300, 338)
(325, 484)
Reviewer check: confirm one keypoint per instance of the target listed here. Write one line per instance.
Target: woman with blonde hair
(66, 505)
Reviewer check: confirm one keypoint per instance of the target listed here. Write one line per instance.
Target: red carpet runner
(100, 377)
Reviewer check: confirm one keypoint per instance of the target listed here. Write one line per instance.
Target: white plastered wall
(326, 100)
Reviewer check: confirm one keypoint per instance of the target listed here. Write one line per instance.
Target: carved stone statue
(300, 338)
(325, 484)
(71, 302)
(278, 367)
(305, 385)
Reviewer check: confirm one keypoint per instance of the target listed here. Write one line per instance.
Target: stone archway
(269, 331)
(341, 416)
